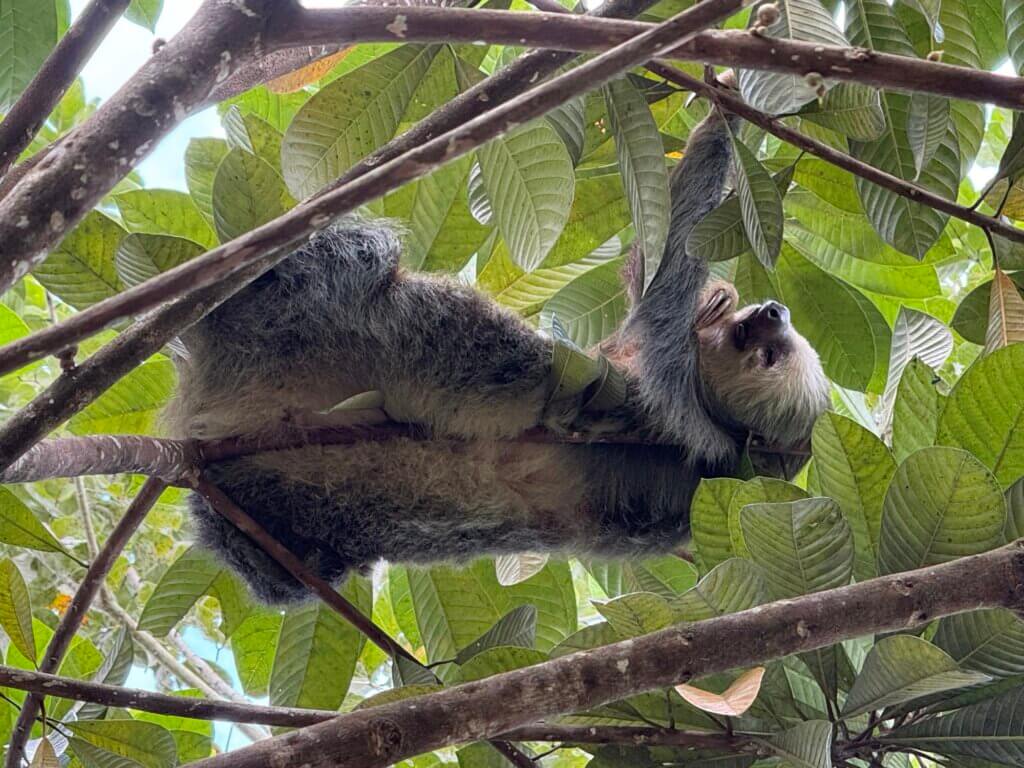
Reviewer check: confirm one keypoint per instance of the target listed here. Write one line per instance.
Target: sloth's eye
(769, 357)
(740, 334)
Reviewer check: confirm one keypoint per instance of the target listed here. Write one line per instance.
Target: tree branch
(54, 196)
(499, 704)
(21, 124)
(72, 620)
(249, 253)
(842, 160)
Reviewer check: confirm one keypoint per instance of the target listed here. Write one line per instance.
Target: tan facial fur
(758, 368)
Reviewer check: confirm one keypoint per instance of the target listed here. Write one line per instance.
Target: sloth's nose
(774, 315)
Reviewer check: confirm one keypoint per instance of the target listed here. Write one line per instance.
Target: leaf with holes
(803, 546)
(915, 412)
(915, 335)
(183, 583)
(901, 668)
(81, 269)
(854, 468)
(941, 504)
(984, 412)
(990, 641)
(776, 93)
(733, 702)
(247, 192)
(760, 204)
(140, 256)
(16, 609)
(591, 307)
(529, 180)
(1005, 314)
(641, 157)
(350, 117)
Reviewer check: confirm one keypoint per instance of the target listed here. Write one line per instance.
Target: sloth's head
(758, 369)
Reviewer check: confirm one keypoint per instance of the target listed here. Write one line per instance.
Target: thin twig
(21, 124)
(79, 606)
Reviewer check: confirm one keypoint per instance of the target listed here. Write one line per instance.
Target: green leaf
(942, 504)
(132, 404)
(1015, 508)
(760, 204)
(591, 307)
(984, 411)
(493, 661)
(777, 93)
(517, 628)
(120, 655)
(641, 157)
(759, 490)
(569, 122)
(971, 317)
(709, 521)
(16, 609)
(915, 415)
(529, 180)
(720, 235)
(854, 468)
(19, 527)
(188, 578)
(350, 117)
(140, 257)
(28, 31)
(990, 641)
(908, 226)
(802, 546)
(164, 212)
(201, 160)
(852, 109)
(807, 745)
(551, 592)
(927, 126)
(443, 234)
(254, 645)
(833, 321)
(591, 636)
(959, 47)
(81, 269)
(729, 587)
(317, 651)
(145, 744)
(991, 730)
(637, 614)
(253, 134)
(599, 212)
(1013, 15)
(247, 192)
(916, 335)
(901, 668)
(145, 13)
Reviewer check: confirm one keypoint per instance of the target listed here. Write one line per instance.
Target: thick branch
(60, 69)
(842, 160)
(79, 606)
(734, 48)
(54, 196)
(496, 705)
(248, 254)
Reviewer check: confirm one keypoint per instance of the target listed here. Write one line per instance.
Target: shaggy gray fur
(339, 317)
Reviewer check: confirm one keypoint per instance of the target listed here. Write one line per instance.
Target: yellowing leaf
(1005, 314)
(310, 73)
(45, 756)
(734, 702)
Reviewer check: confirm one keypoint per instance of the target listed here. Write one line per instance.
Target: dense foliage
(913, 315)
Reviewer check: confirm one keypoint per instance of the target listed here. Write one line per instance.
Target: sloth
(340, 317)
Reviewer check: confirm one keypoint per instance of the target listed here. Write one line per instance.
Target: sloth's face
(758, 368)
